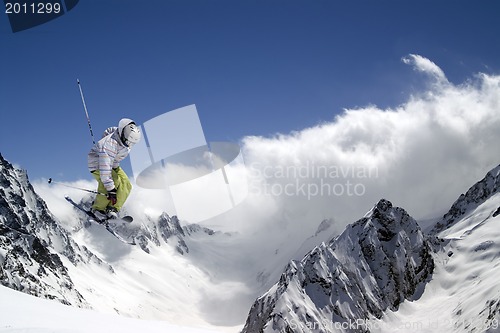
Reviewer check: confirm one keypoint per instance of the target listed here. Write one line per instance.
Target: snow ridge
(375, 264)
(29, 236)
(475, 196)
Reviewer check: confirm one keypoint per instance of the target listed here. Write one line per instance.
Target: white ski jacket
(107, 154)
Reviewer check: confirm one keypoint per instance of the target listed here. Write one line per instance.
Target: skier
(104, 163)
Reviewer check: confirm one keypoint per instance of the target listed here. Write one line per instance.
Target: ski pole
(77, 188)
(85, 108)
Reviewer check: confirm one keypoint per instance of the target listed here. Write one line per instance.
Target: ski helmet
(129, 132)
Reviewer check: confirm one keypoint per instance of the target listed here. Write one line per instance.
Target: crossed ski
(104, 222)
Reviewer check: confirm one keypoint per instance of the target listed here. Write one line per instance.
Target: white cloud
(424, 65)
(421, 155)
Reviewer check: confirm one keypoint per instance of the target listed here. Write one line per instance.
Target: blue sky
(251, 67)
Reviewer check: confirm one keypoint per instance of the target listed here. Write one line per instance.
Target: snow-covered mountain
(32, 242)
(383, 274)
(375, 264)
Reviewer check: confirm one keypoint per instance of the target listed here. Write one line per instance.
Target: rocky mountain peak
(374, 265)
(29, 238)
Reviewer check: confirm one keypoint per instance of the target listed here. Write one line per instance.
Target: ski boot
(111, 213)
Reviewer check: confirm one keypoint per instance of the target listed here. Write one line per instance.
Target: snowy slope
(160, 279)
(25, 313)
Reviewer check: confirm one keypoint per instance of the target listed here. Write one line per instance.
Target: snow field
(29, 314)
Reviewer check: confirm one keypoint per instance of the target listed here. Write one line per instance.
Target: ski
(111, 231)
(103, 222)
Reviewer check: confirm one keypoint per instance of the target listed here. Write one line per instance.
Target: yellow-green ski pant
(122, 185)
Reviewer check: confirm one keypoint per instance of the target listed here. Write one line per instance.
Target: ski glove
(112, 196)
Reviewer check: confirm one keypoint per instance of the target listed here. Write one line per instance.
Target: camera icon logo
(203, 179)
